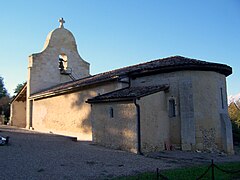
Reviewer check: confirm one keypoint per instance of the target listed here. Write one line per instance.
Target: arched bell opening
(62, 62)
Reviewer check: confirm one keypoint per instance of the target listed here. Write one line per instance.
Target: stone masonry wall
(206, 105)
(18, 114)
(43, 67)
(119, 131)
(68, 114)
(155, 125)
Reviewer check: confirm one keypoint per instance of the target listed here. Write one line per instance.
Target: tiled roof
(90, 80)
(128, 93)
(21, 95)
(169, 64)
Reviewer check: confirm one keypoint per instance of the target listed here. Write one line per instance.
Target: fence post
(157, 174)
(212, 165)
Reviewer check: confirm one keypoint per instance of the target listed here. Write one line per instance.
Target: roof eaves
(93, 101)
(54, 93)
(49, 93)
(223, 69)
(163, 88)
(20, 92)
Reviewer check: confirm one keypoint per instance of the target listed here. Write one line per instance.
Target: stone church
(164, 104)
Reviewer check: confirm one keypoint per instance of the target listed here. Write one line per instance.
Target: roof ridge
(163, 65)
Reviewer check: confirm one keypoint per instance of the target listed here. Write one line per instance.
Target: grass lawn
(191, 173)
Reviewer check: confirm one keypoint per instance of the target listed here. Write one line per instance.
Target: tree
(4, 106)
(4, 101)
(234, 114)
(3, 91)
(19, 87)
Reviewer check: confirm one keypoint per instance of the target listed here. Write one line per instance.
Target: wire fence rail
(211, 168)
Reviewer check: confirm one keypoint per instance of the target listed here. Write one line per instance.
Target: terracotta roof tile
(129, 93)
(169, 64)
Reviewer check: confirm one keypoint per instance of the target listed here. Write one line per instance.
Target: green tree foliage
(4, 101)
(234, 114)
(3, 91)
(19, 87)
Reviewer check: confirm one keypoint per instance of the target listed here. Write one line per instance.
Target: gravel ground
(32, 155)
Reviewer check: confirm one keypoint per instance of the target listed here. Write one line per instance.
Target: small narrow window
(222, 98)
(171, 108)
(111, 112)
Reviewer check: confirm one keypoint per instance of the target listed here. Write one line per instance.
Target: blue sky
(116, 33)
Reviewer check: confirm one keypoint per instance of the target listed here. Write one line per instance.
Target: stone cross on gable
(61, 20)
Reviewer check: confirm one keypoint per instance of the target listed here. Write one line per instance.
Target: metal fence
(211, 168)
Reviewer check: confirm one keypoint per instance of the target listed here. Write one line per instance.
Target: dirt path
(32, 155)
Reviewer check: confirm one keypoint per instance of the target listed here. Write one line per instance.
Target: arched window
(62, 63)
(171, 107)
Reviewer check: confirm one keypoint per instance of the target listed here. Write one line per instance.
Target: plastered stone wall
(155, 124)
(119, 131)
(188, 139)
(68, 114)
(208, 101)
(43, 67)
(226, 130)
(172, 80)
(18, 114)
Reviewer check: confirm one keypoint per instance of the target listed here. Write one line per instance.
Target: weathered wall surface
(188, 132)
(119, 131)
(68, 113)
(155, 124)
(208, 102)
(18, 114)
(43, 67)
(172, 80)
